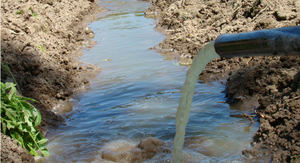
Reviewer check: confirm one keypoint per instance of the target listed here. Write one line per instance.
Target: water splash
(206, 54)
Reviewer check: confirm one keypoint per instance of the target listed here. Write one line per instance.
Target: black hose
(272, 42)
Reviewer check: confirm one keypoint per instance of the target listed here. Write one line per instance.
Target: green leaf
(19, 118)
(27, 115)
(30, 9)
(43, 141)
(9, 85)
(32, 150)
(7, 69)
(28, 99)
(2, 87)
(24, 128)
(12, 89)
(33, 136)
(33, 12)
(10, 125)
(13, 135)
(37, 116)
(3, 125)
(11, 114)
(20, 12)
(20, 139)
(45, 152)
(14, 105)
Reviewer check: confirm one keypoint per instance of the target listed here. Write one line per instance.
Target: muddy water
(206, 55)
(136, 96)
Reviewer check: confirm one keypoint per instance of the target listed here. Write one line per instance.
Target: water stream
(136, 96)
(206, 55)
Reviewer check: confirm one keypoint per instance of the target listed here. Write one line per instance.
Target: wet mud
(127, 151)
(269, 86)
(41, 41)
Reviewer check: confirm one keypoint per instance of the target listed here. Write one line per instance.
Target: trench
(136, 96)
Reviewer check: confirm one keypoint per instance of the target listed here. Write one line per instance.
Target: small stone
(150, 144)
(87, 30)
(272, 88)
(91, 35)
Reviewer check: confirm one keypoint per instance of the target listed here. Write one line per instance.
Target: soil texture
(41, 41)
(11, 151)
(190, 24)
(275, 86)
(267, 85)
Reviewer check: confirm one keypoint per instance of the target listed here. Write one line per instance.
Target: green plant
(19, 119)
(33, 12)
(7, 69)
(20, 12)
(42, 48)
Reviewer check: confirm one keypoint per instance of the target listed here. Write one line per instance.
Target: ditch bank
(41, 41)
(267, 85)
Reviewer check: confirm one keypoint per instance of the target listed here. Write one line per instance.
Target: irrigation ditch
(41, 42)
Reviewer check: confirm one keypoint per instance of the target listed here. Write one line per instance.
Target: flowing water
(136, 96)
(206, 55)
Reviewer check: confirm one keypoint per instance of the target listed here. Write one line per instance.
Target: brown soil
(268, 84)
(190, 24)
(276, 87)
(40, 40)
(11, 151)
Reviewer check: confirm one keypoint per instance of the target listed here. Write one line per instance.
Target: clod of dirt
(126, 151)
(150, 146)
(121, 150)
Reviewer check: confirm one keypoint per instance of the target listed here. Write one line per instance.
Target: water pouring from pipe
(274, 42)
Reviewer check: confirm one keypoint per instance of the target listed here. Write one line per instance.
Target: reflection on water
(136, 96)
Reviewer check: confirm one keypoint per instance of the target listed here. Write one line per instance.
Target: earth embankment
(40, 43)
(267, 85)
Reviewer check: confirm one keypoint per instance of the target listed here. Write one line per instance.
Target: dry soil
(270, 85)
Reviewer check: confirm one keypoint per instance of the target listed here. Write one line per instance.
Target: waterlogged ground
(136, 96)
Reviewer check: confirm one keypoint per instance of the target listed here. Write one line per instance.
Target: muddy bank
(276, 87)
(268, 84)
(41, 42)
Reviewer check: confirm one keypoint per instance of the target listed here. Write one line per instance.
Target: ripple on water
(136, 95)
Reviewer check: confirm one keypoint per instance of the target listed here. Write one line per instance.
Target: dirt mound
(40, 40)
(269, 81)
